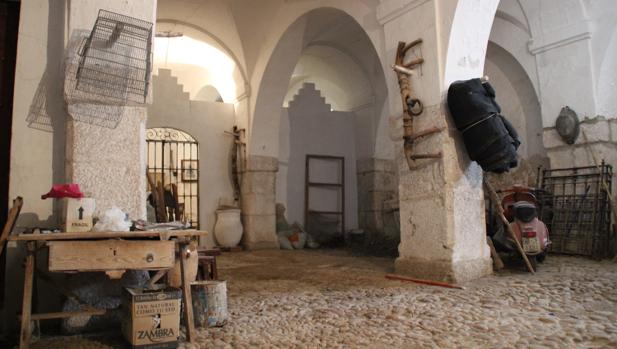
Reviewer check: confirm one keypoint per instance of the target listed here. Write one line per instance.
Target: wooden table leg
(26, 309)
(215, 273)
(186, 292)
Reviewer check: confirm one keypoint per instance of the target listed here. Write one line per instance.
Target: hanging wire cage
(115, 60)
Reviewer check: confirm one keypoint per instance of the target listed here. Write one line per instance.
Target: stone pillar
(108, 163)
(441, 208)
(377, 186)
(443, 233)
(107, 160)
(258, 203)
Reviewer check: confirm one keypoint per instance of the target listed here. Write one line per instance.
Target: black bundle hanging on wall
(489, 138)
(115, 60)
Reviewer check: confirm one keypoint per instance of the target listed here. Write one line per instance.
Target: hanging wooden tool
(411, 106)
(238, 159)
(497, 262)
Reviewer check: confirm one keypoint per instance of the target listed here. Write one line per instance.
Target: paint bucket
(210, 303)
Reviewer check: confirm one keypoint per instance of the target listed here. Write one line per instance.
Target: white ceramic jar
(228, 227)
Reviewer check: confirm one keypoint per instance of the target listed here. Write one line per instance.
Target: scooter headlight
(525, 211)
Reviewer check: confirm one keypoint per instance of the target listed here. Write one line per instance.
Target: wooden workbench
(109, 252)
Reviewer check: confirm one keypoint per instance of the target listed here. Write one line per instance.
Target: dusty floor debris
(330, 299)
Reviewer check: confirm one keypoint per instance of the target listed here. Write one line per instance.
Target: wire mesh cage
(575, 207)
(115, 60)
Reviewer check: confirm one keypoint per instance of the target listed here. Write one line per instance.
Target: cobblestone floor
(331, 299)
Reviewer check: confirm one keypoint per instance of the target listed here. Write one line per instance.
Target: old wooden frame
(310, 184)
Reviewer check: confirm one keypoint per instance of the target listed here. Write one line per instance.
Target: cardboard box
(151, 317)
(77, 214)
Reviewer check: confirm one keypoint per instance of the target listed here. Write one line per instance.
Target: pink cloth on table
(64, 191)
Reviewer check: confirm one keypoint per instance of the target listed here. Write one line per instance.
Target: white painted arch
(273, 72)
(236, 72)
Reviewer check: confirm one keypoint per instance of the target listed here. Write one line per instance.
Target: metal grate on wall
(173, 158)
(576, 209)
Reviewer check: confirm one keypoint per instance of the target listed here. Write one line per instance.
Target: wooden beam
(191, 336)
(424, 133)
(497, 262)
(107, 235)
(411, 44)
(425, 156)
(496, 203)
(159, 274)
(160, 200)
(26, 307)
(413, 63)
(66, 314)
(10, 221)
(111, 256)
(422, 281)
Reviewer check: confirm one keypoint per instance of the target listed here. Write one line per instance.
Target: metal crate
(575, 207)
(115, 61)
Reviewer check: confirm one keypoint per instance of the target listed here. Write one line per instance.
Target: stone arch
(209, 93)
(243, 81)
(271, 78)
(517, 97)
(468, 40)
(303, 32)
(511, 31)
(337, 74)
(571, 12)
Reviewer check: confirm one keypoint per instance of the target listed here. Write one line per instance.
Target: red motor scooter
(521, 210)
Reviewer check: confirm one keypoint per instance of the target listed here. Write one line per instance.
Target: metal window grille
(576, 209)
(115, 60)
(173, 158)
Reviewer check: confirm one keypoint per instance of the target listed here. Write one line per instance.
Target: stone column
(258, 203)
(377, 186)
(108, 163)
(441, 208)
(443, 233)
(106, 159)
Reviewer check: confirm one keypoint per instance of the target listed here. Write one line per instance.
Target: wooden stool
(207, 264)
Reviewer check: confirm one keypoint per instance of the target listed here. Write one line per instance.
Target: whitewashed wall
(206, 122)
(311, 128)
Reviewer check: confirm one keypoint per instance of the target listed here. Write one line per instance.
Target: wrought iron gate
(576, 209)
(173, 159)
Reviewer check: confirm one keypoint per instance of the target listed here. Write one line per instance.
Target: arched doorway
(323, 94)
(518, 100)
(173, 164)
